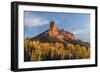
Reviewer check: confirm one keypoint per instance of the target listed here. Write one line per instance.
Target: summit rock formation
(54, 34)
(54, 31)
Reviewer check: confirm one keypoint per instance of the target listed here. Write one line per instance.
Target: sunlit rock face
(60, 33)
(53, 31)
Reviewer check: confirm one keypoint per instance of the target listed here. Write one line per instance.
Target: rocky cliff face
(60, 33)
(54, 34)
(53, 30)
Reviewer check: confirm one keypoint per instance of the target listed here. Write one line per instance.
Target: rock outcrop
(60, 33)
(54, 34)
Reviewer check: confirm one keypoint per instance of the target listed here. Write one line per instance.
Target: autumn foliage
(39, 51)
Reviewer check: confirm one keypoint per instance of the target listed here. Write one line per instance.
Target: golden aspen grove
(39, 51)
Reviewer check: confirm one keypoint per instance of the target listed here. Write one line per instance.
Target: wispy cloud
(34, 20)
(83, 34)
(80, 29)
(38, 21)
(77, 31)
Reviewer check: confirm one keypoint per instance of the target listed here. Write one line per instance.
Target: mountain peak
(54, 31)
(54, 34)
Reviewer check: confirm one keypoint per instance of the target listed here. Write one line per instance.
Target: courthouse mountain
(54, 34)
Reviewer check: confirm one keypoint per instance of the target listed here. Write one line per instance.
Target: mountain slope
(53, 34)
(55, 44)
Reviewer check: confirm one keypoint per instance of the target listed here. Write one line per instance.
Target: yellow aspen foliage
(39, 51)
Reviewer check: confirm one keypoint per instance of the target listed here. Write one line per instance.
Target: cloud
(77, 32)
(81, 29)
(34, 20)
(83, 34)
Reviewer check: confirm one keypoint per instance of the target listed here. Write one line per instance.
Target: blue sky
(38, 22)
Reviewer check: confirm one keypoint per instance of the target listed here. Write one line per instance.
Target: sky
(38, 22)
